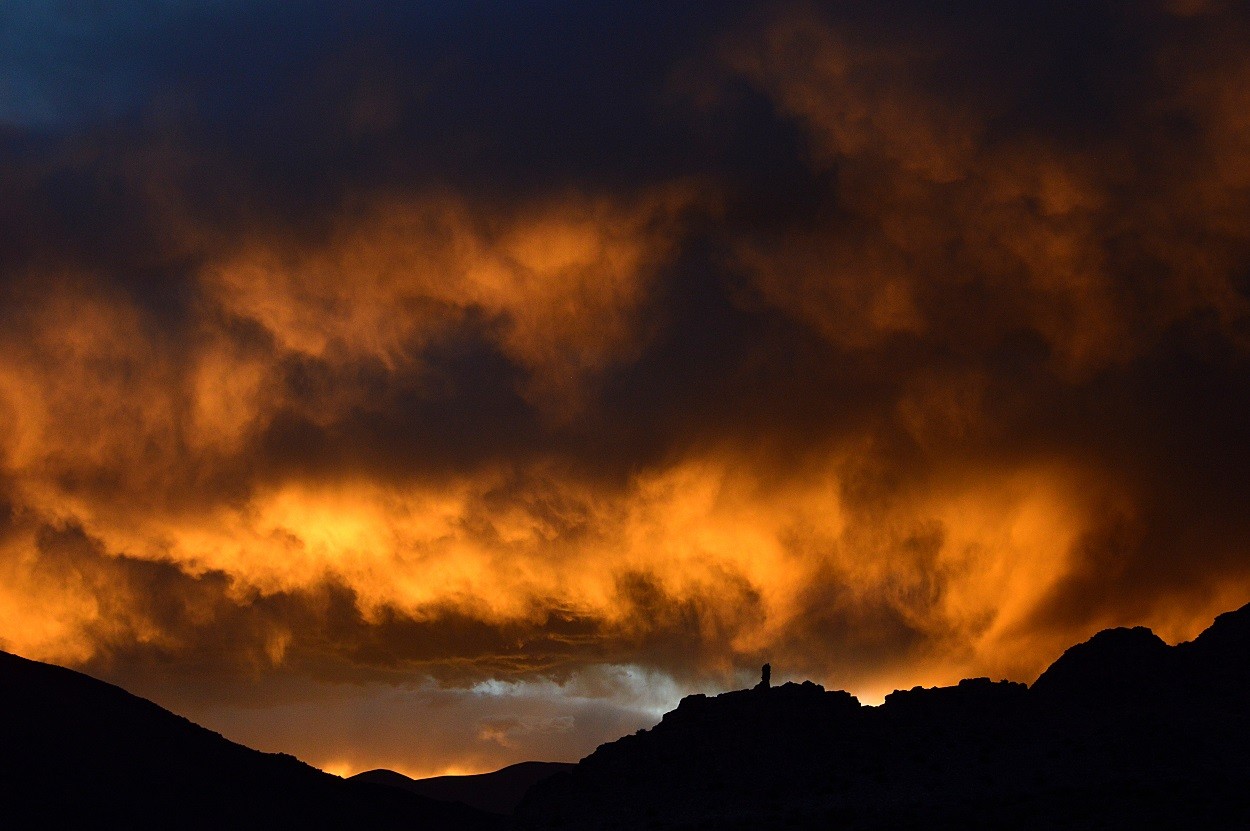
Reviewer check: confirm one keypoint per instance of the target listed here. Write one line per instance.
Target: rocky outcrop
(1122, 731)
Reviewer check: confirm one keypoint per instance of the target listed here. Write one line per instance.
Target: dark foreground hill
(498, 792)
(1122, 732)
(79, 753)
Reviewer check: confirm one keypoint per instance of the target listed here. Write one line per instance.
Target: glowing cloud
(888, 349)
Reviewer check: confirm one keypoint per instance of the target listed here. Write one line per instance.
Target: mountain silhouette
(1113, 667)
(76, 752)
(1122, 731)
(498, 792)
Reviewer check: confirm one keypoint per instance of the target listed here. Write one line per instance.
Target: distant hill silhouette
(498, 792)
(79, 753)
(1120, 732)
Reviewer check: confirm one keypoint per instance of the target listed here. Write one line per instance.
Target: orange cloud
(941, 210)
(561, 280)
(901, 380)
(731, 558)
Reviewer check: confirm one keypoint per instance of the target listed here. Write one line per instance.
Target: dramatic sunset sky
(437, 385)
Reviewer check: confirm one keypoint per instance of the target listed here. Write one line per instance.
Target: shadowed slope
(1122, 731)
(76, 752)
(498, 792)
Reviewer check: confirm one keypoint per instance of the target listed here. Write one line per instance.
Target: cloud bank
(465, 367)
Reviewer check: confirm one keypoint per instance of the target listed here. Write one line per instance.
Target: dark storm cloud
(498, 340)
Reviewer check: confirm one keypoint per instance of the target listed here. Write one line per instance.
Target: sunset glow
(344, 415)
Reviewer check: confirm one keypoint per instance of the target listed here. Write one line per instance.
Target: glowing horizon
(405, 388)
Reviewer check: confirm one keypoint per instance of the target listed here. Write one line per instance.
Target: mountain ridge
(498, 791)
(1121, 731)
(79, 752)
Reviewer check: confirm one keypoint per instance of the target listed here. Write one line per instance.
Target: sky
(435, 386)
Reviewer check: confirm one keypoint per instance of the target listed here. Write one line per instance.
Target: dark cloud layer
(508, 348)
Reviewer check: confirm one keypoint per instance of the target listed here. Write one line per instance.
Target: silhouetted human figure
(766, 676)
